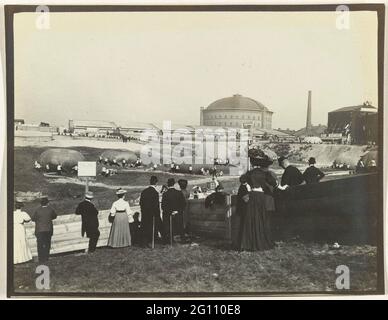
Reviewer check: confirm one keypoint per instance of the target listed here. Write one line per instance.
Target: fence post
(229, 218)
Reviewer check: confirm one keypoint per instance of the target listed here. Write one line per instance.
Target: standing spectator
(291, 176)
(241, 205)
(43, 218)
(47, 167)
(122, 216)
(255, 235)
(59, 169)
(21, 251)
(312, 174)
(150, 212)
(183, 186)
(90, 224)
(173, 205)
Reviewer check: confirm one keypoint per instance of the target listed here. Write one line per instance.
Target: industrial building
(92, 127)
(237, 112)
(354, 124)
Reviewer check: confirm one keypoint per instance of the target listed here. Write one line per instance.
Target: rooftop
(237, 102)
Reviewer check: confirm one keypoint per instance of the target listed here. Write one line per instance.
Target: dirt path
(64, 180)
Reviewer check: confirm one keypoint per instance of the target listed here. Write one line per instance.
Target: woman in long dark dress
(241, 206)
(255, 228)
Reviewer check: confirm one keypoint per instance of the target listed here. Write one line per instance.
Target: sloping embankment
(325, 154)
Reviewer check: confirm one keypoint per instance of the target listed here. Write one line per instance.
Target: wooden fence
(342, 210)
(67, 233)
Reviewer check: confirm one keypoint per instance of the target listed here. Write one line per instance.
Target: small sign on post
(87, 169)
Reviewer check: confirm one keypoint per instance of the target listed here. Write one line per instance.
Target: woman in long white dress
(122, 216)
(21, 250)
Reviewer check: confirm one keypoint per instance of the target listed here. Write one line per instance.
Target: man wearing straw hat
(43, 218)
(90, 224)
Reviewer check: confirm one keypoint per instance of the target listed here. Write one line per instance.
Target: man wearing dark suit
(150, 212)
(312, 174)
(89, 216)
(291, 176)
(43, 218)
(173, 204)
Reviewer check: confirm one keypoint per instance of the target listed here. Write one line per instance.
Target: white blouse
(20, 217)
(121, 205)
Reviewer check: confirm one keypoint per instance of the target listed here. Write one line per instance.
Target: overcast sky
(150, 67)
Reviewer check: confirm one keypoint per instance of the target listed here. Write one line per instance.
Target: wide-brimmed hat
(264, 161)
(312, 160)
(120, 191)
(19, 203)
(89, 195)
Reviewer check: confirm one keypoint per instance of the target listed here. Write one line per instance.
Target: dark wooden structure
(343, 210)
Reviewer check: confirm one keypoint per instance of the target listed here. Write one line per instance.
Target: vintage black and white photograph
(198, 150)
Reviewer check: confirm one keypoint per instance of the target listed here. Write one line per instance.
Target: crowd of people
(54, 168)
(165, 220)
(162, 221)
(255, 198)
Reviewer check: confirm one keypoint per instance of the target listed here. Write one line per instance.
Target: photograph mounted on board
(197, 150)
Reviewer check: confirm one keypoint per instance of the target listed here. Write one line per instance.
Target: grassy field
(65, 196)
(209, 267)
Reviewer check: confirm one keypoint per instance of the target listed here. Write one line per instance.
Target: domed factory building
(237, 112)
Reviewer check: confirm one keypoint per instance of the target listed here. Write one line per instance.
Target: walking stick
(171, 230)
(153, 232)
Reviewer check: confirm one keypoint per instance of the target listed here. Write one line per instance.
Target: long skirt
(255, 235)
(120, 235)
(21, 251)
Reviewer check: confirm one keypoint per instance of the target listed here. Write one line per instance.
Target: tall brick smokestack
(308, 120)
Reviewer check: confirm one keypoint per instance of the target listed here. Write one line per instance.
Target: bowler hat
(312, 160)
(281, 159)
(220, 187)
(170, 182)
